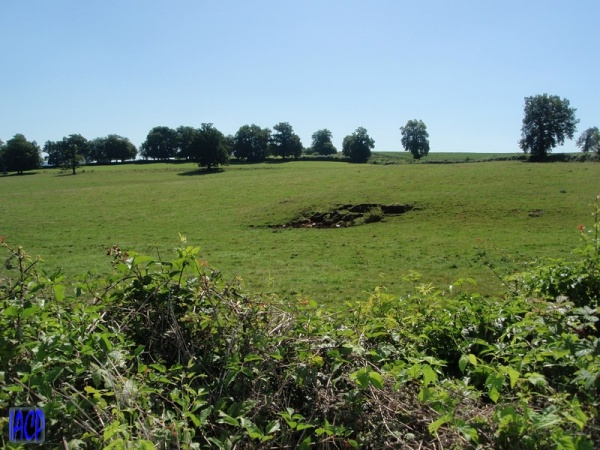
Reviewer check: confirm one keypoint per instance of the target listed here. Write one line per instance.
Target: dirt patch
(342, 216)
(536, 213)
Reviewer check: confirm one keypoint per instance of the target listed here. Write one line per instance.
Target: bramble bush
(165, 354)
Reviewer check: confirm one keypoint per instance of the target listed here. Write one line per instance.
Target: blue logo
(26, 425)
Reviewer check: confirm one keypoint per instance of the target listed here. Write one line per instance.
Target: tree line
(548, 120)
(209, 147)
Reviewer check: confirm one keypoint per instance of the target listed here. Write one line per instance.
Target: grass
(507, 213)
(439, 157)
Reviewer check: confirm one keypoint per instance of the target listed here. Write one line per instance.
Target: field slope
(504, 213)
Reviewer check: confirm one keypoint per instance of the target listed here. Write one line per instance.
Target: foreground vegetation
(164, 354)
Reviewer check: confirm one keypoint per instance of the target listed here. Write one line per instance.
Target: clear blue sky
(463, 67)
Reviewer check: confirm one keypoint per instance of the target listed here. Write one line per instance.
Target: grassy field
(506, 212)
(455, 157)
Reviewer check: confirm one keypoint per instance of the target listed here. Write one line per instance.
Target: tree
(357, 146)
(68, 153)
(589, 140)
(547, 122)
(321, 143)
(209, 147)
(285, 142)
(112, 148)
(18, 155)
(251, 143)
(161, 143)
(415, 138)
(2, 165)
(185, 138)
(120, 148)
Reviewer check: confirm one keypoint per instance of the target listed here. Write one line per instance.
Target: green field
(454, 157)
(507, 213)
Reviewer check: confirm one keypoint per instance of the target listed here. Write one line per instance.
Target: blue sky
(463, 67)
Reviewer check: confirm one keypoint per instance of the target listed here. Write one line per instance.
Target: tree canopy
(357, 146)
(210, 147)
(547, 122)
(589, 141)
(285, 142)
(321, 143)
(68, 153)
(19, 155)
(251, 143)
(161, 143)
(415, 138)
(112, 148)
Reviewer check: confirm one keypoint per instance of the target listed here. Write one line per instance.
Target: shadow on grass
(195, 172)
(6, 174)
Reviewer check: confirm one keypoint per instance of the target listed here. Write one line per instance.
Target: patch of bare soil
(342, 216)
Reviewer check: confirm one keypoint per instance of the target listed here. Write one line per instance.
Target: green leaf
(107, 345)
(51, 376)
(12, 311)
(145, 445)
(537, 379)
(429, 375)
(494, 384)
(32, 310)
(253, 357)
(111, 430)
(272, 427)
(425, 394)
(513, 375)
(159, 367)
(305, 444)
(218, 443)
(225, 418)
(467, 431)
(352, 443)
(433, 427)
(59, 292)
(376, 379)
(367, 376)
(13, 388)
(462, 363)
(193, 418)
(472, 359)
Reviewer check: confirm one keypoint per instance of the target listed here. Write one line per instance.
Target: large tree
(210, 147)
(547, 122)
(589, 141)
(112, 148)
(357, 146)
(185, 139)
(321, 143)
(415, 138)
(251, 143)
(161, 143)
(19, 154)
(285, 142)
(68, 153)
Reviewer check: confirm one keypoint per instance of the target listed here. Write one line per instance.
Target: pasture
(467, 217)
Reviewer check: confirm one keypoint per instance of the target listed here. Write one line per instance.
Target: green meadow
(475, 220)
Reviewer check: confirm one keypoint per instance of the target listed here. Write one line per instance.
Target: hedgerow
(165, 354)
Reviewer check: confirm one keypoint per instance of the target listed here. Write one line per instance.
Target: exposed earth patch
(346, 216)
